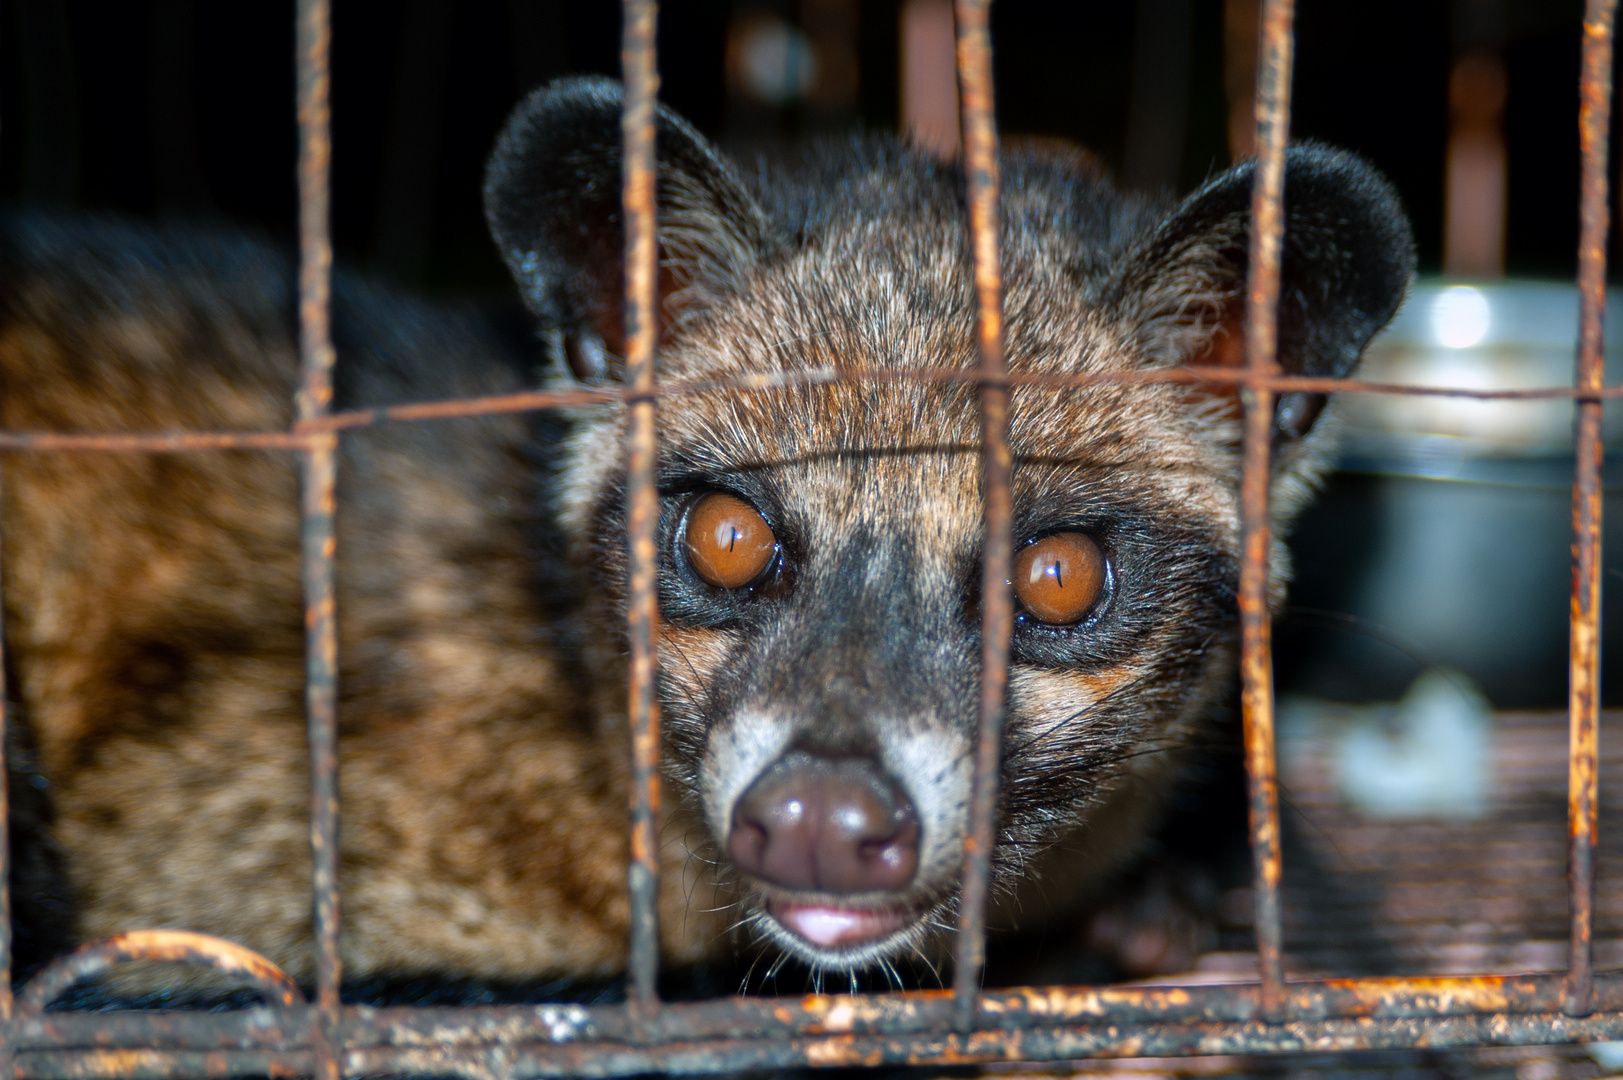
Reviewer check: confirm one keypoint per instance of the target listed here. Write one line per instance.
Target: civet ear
(1348, 260)
(552, 199)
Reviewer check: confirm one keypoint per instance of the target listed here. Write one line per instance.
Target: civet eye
(729, 544)
(1059, 578)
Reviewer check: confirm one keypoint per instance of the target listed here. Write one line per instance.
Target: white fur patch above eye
(739, 750)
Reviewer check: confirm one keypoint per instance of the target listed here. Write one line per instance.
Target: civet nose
(832, 825)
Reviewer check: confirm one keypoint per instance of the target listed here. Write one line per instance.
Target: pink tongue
(828, 926)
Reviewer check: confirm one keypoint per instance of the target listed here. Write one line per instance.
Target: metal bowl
(1444, 539)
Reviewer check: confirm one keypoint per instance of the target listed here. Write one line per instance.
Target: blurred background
(182, 107)
(1444, 540)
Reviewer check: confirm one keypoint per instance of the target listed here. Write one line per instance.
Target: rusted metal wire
(954, 1048)
(146, 1064)
(997, 602)
(1039, 1044)
(1033, 1023)
(465, 1043)
(319, 477)
(1126, 1008)
(5, 850)
(308, 432)
(1261, 344)
(642, 500)
(1594, 125)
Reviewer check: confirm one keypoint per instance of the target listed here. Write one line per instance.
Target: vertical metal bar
(1262, 344)
(319, 472)
(637, 62)
(1594, 127)
(5, 861)
(997, 603)
(5, 852)
(5, 849)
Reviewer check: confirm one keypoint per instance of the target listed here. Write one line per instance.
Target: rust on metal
(5, 865)
(162, 1064)
(1261, 345)
(917, 1012)
(1594, 126)
(937, 1048)
(258, 1027)
(997, 602)
(1033, 1023)
(1012, 1009)
(152, 442)
(169, 946)
(307, 433)
(319, 475)
(955, 1048)
(642, 500)
(495, 404)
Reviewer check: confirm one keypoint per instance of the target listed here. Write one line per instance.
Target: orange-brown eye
(729, 544)
(1059, 578)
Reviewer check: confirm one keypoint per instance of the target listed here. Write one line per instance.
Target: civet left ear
(552, 199)
(1348, 260)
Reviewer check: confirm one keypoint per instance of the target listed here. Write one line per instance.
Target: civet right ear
(1348, 260)
(552, 198)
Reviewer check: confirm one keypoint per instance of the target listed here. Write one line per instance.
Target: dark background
(184, 107)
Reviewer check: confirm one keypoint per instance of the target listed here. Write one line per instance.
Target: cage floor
(1407, 895)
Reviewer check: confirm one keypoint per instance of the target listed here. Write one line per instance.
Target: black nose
(835, 825)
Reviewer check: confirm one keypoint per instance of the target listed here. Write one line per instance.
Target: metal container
(1444, 539)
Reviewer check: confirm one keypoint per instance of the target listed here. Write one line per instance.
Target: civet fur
(152, 606)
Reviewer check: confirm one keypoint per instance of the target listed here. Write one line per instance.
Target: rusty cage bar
(288, 1035)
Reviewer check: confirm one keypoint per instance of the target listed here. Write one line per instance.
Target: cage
(1260, 1012)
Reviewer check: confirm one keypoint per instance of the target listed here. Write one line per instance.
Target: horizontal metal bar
(154, 442)
(1046, 1043)
(253, 1028)
(1122, 1008)
(306, 434)
(1017, 1009)
(162, 1064)
(999, 1009)
(531, 401)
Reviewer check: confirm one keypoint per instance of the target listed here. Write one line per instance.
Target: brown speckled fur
(155, 631)
(152, 602)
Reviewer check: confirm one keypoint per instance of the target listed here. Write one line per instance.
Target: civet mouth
(838, 927)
